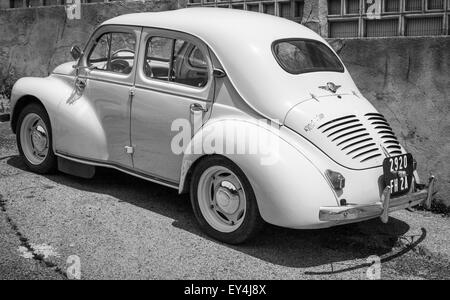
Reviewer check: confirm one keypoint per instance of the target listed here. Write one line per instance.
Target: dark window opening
(299, 56)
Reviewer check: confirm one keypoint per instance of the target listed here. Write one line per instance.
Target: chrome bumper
(380, 209)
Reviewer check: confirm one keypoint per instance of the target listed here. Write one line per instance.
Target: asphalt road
(120, 227)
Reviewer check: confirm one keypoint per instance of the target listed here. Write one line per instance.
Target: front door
(109, 79)
(174, 85)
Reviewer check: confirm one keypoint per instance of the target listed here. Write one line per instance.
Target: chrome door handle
(195, 107)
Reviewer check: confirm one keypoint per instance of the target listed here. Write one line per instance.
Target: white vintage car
(150, 89)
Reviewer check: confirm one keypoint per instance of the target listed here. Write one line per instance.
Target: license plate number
(398, 172)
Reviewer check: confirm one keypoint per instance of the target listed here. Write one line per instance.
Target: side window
(114, 52)
(170, 60)
(100, 53)
(197, 60)
(157, 60)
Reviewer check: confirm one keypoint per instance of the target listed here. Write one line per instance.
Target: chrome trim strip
(140, 86)
(118, 167)
(106, 81)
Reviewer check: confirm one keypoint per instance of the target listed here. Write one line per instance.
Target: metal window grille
(334, 7)
(16, 3)
(423, 26)
(285, 9)
(34, 3)
(253, 7)
(412, 5)
(343, 29)
(298, 9)
(380, 28)
(269, 8)
(352, 6)
(392, 5)
(435, 4)
(52, 2)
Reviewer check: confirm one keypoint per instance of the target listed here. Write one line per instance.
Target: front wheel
(224, 202)
(34, 139)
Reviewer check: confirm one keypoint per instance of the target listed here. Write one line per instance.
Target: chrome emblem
(330, 87)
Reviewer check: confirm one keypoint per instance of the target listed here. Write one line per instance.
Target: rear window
(304, 56)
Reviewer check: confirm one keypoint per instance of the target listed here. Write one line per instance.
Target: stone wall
(408, 80)
(35, 40)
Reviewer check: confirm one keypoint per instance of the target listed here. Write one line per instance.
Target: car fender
(75, 126)
(288, 187)
(42, 89)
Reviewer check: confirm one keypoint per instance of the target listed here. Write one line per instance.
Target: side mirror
(76, 52)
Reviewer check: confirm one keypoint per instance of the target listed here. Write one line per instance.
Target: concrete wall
(408, 80)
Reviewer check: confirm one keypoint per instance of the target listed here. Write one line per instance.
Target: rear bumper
(353, 213)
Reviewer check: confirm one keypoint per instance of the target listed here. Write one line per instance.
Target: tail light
(336, 179)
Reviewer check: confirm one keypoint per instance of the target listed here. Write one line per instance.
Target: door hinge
(129, 149)
(132, 92)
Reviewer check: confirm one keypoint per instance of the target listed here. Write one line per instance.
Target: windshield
(298, 56)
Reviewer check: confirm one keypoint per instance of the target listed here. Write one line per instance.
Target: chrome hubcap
(34, 139)
(221, 199)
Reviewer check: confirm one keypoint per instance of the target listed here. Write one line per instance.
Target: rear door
(174, 86)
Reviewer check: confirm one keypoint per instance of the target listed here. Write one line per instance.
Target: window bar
(362, 29)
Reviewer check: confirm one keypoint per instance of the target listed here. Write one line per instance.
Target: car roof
(242, 41)
(210, 22)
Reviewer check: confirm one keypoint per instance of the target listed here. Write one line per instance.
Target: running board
(95, 163)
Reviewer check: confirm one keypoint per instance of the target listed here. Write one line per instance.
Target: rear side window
(304, 56)
(196, 59)
(172, 60)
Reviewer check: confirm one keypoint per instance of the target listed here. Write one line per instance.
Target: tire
(224, 202)
(34, 139)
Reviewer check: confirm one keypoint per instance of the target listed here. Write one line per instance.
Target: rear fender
(289, 188)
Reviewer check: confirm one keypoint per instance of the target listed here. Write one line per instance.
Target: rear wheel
(34, 139)
(224, 202)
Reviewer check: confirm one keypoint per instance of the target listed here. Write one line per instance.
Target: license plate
(398, 173)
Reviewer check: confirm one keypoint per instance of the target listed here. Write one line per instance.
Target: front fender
(75, 126)
(48, 92)
(289, 188)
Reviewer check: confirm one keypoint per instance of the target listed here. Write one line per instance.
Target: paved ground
(122, 227)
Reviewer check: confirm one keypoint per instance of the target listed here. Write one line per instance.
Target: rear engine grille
(384, 130)
(349, 134)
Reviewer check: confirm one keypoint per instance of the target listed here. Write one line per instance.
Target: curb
(4, 117)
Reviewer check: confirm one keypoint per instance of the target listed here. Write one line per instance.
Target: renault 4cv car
(141, 76)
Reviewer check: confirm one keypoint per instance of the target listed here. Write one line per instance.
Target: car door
(107, 80)
(170, 90)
